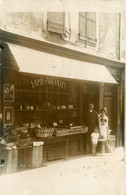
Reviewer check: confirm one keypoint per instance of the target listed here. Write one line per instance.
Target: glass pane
(46, 100)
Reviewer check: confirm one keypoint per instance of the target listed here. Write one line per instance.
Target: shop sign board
(8, 92)
(8, 116)
(48, 81)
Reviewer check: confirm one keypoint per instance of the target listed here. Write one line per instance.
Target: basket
(21, 128)
(23, 142)
(44, 132)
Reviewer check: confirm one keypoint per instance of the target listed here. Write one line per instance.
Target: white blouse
(103, 126)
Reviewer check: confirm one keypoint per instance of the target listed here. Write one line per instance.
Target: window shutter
(82, 26)
(56, 21)
(59, 22)
(88, 28)
(91, 28)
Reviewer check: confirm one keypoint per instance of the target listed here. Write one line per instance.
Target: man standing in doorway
(91, 123)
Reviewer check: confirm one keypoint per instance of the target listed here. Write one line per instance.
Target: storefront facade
(44, 98)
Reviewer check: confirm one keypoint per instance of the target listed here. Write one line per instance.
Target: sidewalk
(81, 175)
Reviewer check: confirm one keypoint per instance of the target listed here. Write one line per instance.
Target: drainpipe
(120, 37)
(1, 91)
(125, 114)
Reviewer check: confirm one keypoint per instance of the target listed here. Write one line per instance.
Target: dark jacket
(91, 120)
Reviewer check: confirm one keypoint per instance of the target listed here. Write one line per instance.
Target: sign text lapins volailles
(48, 81)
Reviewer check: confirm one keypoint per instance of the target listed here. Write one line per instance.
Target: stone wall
(24, 21)
(109, 35)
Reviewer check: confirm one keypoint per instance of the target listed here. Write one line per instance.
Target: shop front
(46, 98)
(50, 107)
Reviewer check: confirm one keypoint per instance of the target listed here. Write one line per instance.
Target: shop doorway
(111, 102)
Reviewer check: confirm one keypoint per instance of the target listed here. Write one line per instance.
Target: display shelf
(29, 91)
(72, 109)
(35, 117)
(43, 92)
(52, 109)
(25, 110)
(50, 102)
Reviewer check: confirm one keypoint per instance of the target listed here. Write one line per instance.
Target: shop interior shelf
(48, 109)
(49, 92)
(70, 109)
(34, 110)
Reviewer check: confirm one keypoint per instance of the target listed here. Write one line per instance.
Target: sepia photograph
(62, 97)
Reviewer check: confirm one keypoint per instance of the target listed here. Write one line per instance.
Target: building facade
(36, 44)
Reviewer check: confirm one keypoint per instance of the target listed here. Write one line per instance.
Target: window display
(45, 100)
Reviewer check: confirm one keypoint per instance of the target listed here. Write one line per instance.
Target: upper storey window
(87, 28)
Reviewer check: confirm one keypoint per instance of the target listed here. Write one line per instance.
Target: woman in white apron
(104, 131)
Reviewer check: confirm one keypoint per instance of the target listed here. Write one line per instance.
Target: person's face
(103, 122)
(91, 106)
(96, 130)
(103, 113)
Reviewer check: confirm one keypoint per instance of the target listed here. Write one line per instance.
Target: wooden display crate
(84, 129)
(112, 141)
(37, 156)
(62, 132)
(11, 159)
(75, 130)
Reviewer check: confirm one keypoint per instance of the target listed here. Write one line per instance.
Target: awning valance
(37, 62)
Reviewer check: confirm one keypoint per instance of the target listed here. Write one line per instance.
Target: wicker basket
(44, 132)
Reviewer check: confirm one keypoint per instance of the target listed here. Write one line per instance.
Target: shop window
(45, 100)
(58, 22)
(87, 28)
